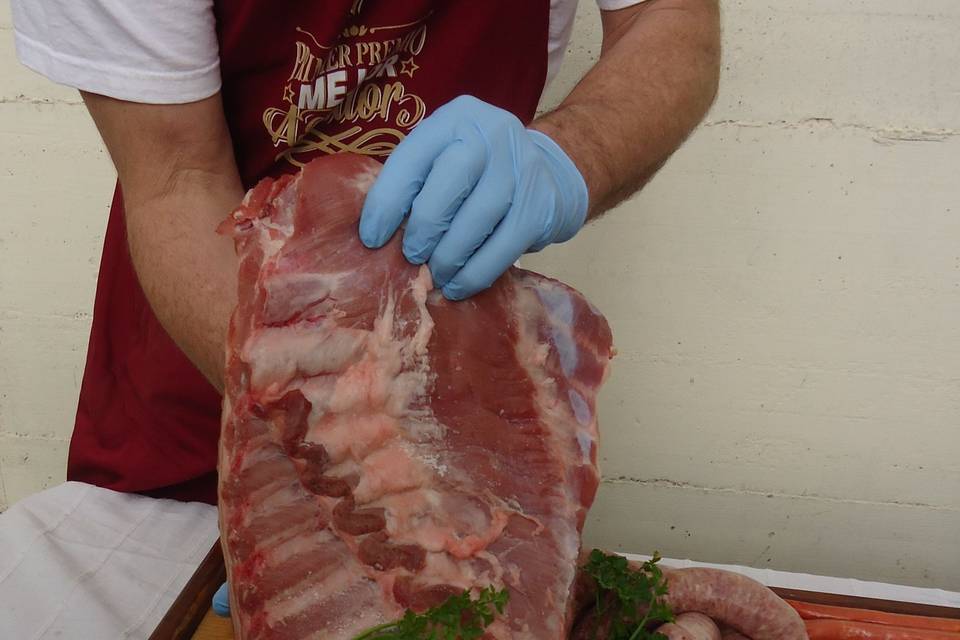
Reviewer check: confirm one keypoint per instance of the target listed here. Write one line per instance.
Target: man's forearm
(179, 182)
(655, 79)
(188, 274)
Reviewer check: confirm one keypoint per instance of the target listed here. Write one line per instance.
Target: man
(196, 100)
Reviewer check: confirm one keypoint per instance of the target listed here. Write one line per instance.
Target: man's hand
(481, 190)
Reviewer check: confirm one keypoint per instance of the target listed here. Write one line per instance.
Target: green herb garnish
(628, 599)
(459, 617)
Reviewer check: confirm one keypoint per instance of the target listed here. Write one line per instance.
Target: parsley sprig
(628, 602)
(630, 599)
(459, 617)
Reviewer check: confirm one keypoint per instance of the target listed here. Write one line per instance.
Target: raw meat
(733, 600)
(691, 626)
(383, 448)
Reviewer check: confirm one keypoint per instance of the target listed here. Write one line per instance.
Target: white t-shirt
(163, 51)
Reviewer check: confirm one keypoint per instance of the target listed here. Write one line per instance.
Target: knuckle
(466, 100)
(473, 282)
(442, 263)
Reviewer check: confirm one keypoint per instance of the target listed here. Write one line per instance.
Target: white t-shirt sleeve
(613, 5)
(152, 51)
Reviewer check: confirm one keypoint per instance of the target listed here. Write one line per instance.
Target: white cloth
(163, 51)
(82, 563)
(85, 563)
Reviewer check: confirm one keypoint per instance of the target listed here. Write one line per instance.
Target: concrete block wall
(55, 184)
(784, 296)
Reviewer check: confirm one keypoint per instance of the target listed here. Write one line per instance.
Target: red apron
(299, 79)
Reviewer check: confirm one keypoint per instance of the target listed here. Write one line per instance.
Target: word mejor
(328, 90)
(328, 78)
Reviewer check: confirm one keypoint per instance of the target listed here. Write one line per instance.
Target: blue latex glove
(221, 601)
(481, 190)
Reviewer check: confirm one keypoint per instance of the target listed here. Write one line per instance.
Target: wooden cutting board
(190, 617)
(213, 627)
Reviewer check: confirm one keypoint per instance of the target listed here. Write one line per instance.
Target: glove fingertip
(368, 225)
(373, 233)
(221, 602)
(454, 292)
(456, 289)
(412, 255)
(369, 240)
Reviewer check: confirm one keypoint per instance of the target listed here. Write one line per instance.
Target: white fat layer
(279, 354)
